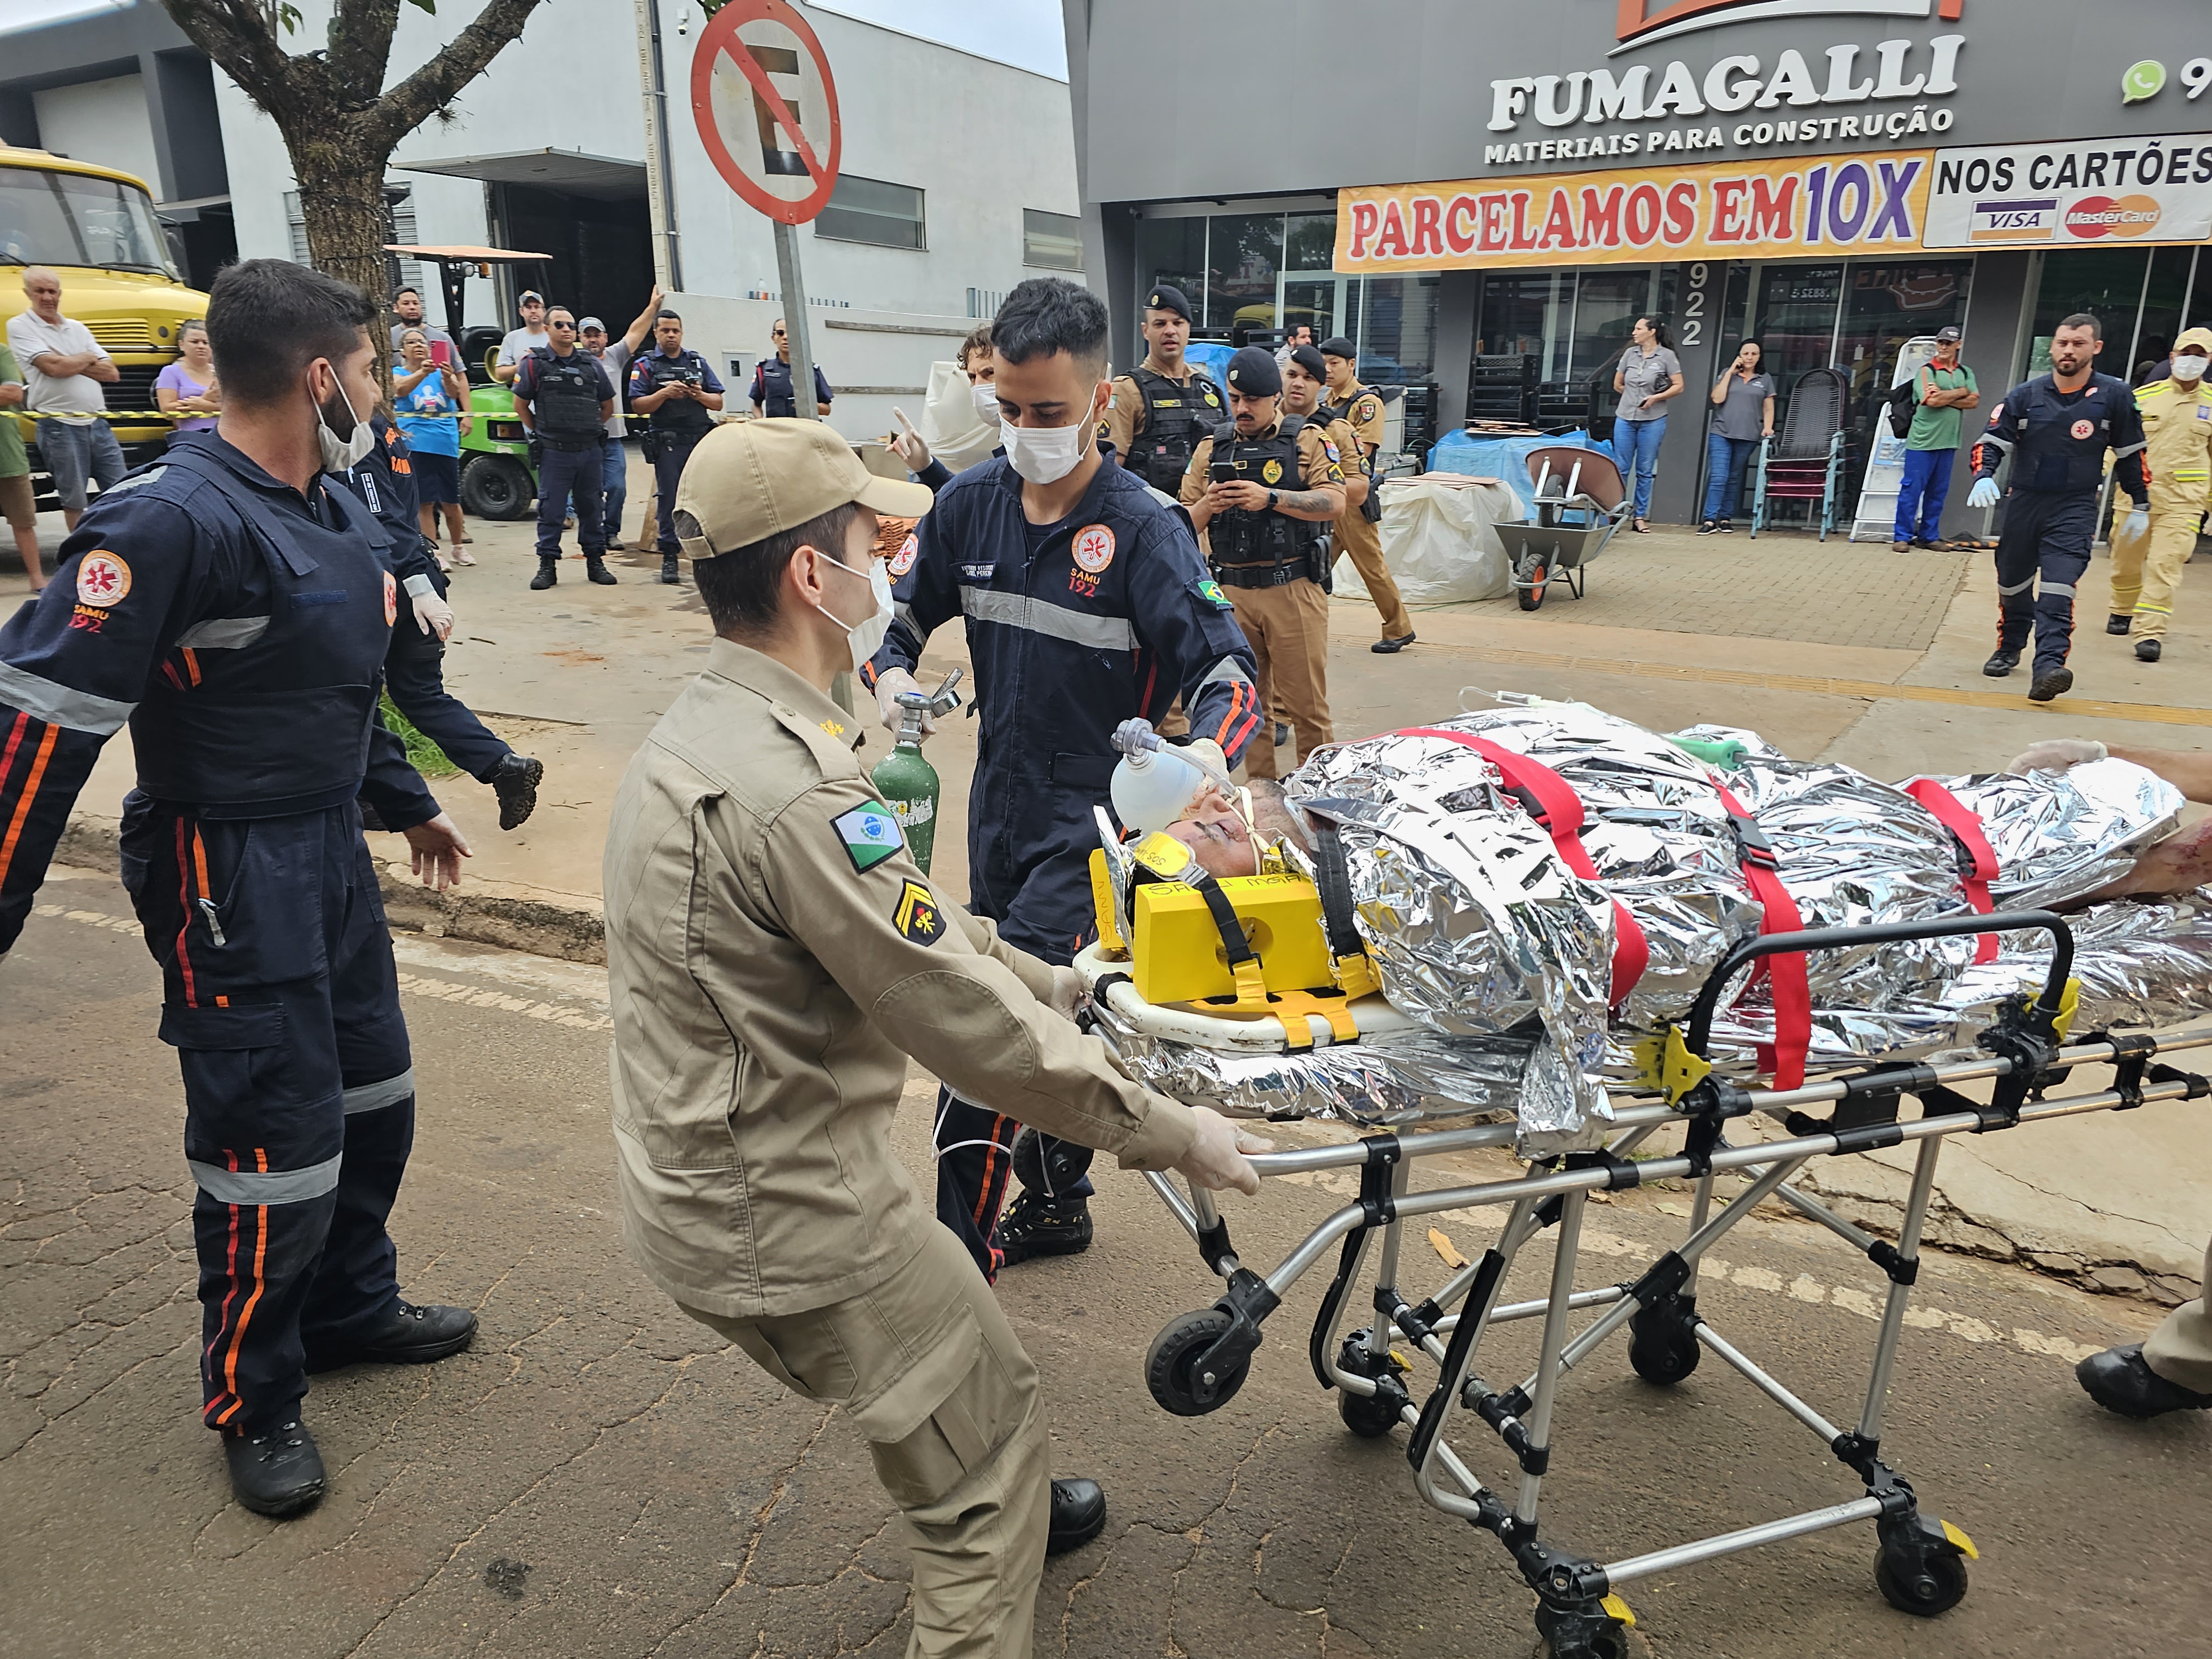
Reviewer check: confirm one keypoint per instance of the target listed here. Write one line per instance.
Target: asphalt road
(598, 1476)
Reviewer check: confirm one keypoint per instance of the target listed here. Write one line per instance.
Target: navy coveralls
(673, 429)
(239, 628)
(568, 464)
(1072, 628)
(413, 667)
(772, 390)
(2057, 440)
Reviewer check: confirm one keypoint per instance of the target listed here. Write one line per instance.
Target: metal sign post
(802, 400)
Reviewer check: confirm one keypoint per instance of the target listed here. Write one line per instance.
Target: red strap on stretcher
(1559, 812)
(1964, 823)
(1785, 974)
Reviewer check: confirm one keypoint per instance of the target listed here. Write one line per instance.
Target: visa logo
(2016, 220)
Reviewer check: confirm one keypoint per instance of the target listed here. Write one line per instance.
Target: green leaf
(289, 15)
(430, 6)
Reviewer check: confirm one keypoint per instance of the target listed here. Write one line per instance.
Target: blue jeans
(1636, 447)
(1920, 498)
(614, 486)
(1725, 460)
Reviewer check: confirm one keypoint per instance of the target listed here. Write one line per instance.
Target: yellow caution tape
(1664, 1063)
(1964, 1544)
(1618, 1609)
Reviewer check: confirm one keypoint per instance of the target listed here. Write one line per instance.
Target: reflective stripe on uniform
(2064, 590)
(2017, 587)
(267, 1186)
(375, 1097)
(1992, 438)
(1053, 621)
(1227, 672)
(59, 705)
(2122, 454)
(223, 633)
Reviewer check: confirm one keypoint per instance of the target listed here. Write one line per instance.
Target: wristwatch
(1272, 497)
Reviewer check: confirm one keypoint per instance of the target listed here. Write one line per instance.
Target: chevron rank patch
(870, 835)
(917, 916)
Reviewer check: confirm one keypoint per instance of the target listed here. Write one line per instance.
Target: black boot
(2118, 1379)
(279, 1474)
(2147, 650)
(549, 572)
(408, 1336)
(2002, 662)
(1078, 1515)
(1036, 1226)
(2117, 623)
(669, 572)
(515, 781)
(2050, 682)
(595, 567)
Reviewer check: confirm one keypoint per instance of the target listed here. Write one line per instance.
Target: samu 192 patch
(870, 834)
(1211, 589)
(917, 916)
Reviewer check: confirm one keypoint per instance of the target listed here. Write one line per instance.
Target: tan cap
(748, 480)
(2199, 338)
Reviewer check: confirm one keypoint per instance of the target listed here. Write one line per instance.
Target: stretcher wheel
(1935, 1583)
(1171, 1366)
(1371, 1416)
(1662, 1342)
(1529, 578)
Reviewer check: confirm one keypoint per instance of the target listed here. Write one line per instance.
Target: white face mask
(863, 638)
(2192, 368)
(984, 396)
(341, 454)
(1046, 454)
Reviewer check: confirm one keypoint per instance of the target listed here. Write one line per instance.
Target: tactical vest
(278, 721)
(566, 404)
(682, 416)
(2047, 453)
(1283, 547)
(1178, 414)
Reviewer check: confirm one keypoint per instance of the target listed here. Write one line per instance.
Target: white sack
(949, 425)
(1437, 542)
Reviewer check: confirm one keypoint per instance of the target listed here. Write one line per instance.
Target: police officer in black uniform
(564, 397)
(2057, 428)
(233, 604)
(772, 394)
(677, 393)
(1165, 406)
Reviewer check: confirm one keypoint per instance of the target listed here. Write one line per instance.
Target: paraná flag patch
(871, 834)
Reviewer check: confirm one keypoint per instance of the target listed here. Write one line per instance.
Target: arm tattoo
(1296, 501)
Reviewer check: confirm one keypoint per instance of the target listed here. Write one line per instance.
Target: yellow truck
(96, 229)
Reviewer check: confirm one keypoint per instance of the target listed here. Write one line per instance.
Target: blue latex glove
(2138, 525)
(1983, 493)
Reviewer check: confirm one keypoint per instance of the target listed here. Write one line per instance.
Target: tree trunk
(342, 196)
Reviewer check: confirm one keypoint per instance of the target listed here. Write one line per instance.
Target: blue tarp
(1505, 458)
(1212, 357)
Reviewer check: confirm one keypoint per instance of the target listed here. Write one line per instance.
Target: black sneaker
(1728, 526)
(1078, 1515)
(515, 781)
(549, 572)
(2001, 663)
(1709, 527)
(668, 571)
(595, 567)
(2147, 650)
(2118, 1379)
(408, 1336)
(2050, 682)
(279, 1474)
(1036, 1226)
(2117, 623)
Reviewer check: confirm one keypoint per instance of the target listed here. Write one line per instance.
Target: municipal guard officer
(2147, 568)
(1264, 493)
(2057, 428)
(1164, 406)
(1086, 603)
(772, 394)
(677, 393)
(564, 397)
(233, 604)
(1362, 408)
(774, 956)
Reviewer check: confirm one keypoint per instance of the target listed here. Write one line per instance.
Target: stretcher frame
(1199, 1360)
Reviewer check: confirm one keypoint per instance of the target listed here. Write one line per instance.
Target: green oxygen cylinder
(907, 783)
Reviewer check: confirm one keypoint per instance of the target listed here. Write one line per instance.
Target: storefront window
(1172, 251)
(1526, 313)
(1312, 242)
(1607, 302)
(2114, 285)
(1398, 334)
(1244, 253)
(1885, 305)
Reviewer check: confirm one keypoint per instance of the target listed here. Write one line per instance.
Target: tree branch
(236, 34)
(434, 86)
(360, 48)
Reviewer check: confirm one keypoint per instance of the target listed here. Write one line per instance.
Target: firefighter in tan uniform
(774, 957)
(2146, 566)
(1355, 534)
(1263, 494)
(1164, 406)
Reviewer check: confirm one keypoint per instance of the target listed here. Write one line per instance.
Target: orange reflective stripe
(30, 794)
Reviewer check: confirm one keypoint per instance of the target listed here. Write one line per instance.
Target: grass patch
(424, 756)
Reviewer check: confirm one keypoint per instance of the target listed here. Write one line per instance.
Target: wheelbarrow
(1580, 499)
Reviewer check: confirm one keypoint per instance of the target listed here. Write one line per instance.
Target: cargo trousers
(1363, 542)
(2147, 569)
(934, 1377)
(2180, 1350)
(1288, 629)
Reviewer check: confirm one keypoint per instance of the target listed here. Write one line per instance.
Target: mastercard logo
(2112, 216)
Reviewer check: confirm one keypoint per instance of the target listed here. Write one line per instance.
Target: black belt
(1263, 575)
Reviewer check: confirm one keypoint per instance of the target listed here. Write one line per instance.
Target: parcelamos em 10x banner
(1848, 203)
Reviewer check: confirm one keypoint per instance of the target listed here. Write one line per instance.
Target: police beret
(1167, 298)
(1252, 371)
(1337, 346)
(1309, 359)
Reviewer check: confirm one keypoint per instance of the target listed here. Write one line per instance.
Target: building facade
(1487, 196)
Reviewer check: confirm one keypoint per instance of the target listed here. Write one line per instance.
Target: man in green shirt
(18, 501)
(1942, 389)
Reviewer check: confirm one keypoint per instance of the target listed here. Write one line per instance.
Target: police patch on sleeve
(1211, 589)
(870, 835)
(917, 916)
(1368, 410)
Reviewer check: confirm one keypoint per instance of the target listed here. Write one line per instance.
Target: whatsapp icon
(2144, 80)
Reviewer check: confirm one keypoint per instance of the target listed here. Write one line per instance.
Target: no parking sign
(767, 109)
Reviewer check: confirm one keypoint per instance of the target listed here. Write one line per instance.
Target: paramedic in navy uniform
(235, 606)
(2057, 428)
(1086, 603)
